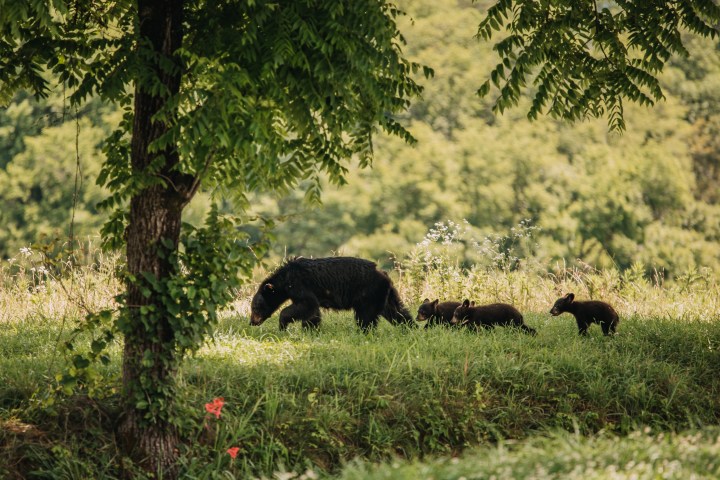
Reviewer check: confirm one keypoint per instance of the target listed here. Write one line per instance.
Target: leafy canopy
(273, 92)
(585, 57)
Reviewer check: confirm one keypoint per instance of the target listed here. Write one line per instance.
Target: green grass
(319, 399)
(397, 403)
(640, 455)
(335, 395)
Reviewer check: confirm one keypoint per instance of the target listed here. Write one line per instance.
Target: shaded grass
(315, 400)
(27, 355)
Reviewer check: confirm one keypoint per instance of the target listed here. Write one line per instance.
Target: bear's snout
(256, 319)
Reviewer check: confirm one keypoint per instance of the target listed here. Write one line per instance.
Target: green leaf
(80, 362)
(97, 346)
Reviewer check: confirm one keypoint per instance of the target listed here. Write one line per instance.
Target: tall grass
(41, 301)
(309, 402)
(504, 271)
(33, 286)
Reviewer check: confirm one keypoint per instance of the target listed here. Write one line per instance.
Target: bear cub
(436, 313)
(488, 316)
(587, 312)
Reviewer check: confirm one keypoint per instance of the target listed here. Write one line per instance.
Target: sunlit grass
(641, 455)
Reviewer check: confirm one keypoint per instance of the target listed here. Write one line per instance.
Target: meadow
(397, 403)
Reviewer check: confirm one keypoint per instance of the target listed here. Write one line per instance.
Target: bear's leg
(582, 326)
(389, 305)
(608, 327)
(519, 322)
(366, 318)
(313, 322)
(478, 323)
(286, 317)
(402, 317)
(528, 330)
(396, 313)
(371, 304)
(306, 311)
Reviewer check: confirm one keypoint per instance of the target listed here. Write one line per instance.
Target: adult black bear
(436, 313)
(587, 312)
(339, 283)
(488, 316)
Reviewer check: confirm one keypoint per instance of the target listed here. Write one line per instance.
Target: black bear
(339, 283)
(587, 312)
(436, 313)
(488, 316)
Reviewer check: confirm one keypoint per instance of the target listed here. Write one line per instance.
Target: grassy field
(397, 403)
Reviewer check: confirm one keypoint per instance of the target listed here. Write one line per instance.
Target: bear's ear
(466, 303)
(426, 300)
(472, 304)
(570, 297)
(435, 302)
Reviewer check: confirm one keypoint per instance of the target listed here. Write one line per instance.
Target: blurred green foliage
(648, 197)
(46, 149)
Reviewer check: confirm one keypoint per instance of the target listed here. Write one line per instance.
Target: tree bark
(155, 216)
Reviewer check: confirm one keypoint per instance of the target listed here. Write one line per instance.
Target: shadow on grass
(316, 399)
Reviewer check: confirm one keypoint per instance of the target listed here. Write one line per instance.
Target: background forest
(549, 191)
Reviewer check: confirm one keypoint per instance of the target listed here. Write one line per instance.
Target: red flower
(215, 407)
(233, 451)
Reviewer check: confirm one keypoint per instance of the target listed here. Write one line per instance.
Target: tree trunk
(149, 356)
(152, 443)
